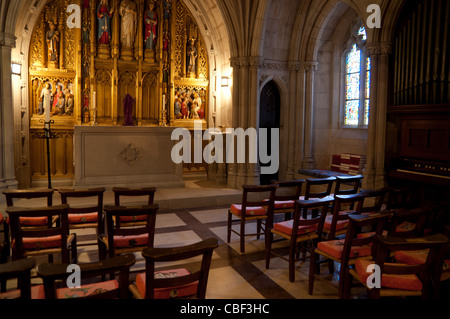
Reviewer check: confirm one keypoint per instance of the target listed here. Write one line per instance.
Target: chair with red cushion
(318, 188)
(348, 185)
(298, 231)
(347, 251)
(28, 198)
(257, 203)
(95, 288)
(175, 283)
(287, 194)
(398, 279)
(409, 223)
(123, 239)
(336, 224)
(46, 195)
(134, 197)
(20, 270)
(31, 242)
(85, 215)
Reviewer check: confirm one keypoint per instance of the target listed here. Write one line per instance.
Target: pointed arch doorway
(269, 118)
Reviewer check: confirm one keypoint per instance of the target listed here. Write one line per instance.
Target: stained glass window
(358, 81)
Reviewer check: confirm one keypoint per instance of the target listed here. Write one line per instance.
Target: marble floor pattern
(233, 275)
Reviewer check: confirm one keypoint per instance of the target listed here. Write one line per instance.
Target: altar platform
(197, 194)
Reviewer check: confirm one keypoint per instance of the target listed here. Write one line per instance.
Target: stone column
(7, 171)
(292, 123)
(308, 158)
(245, 114)
(375, 167)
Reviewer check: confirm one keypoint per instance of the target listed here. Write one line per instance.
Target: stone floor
(233, 275)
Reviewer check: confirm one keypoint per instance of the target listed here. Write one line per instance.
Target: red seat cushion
(167, 293)
(416, 257)
(284, 204)
(286, 228)
(130, 241)
(31, 221)
(40, 243)
(87, 290)
(37, 292)
(250, 211)
(335, 248)
(133, 219)
(403, 282)
(405, 226)
(340, 225)
(83, 218)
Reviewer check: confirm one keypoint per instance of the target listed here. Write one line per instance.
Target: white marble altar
(125, 157)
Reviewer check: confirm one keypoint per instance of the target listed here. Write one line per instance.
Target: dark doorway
(269, 118)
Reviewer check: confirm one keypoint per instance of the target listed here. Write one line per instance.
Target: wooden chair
(347, 251)
(20, 270)
(32, 242)
(298, 231)
(99, 289)
(86, 216)
(143, 197)
(121, 238)
(318, 188)
(401, 280)
(12, 195)
(5, 243)
(374, 201)
(287, 194)
(251, 210)
(348, 185)
(399, 197)
(178, 283)
(409, 223)
(336, 224)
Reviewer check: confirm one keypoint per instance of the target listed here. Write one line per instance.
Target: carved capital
(311, 66)
(8, 40)
(294, 66)
(373, 49)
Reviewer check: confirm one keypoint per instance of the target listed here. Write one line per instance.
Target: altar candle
(164, 102)
(94, 102)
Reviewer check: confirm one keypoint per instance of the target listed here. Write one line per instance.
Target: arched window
(357, 82)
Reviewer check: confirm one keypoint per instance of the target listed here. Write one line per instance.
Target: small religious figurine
(128, 26)
(191, 56)
(177, 108)
(46, 97)
(60, 107)
(151, 26)
(52, 39)
(167, 7)
(69, 103)
(104, 16)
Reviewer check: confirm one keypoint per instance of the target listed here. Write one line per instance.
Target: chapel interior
(347, 97)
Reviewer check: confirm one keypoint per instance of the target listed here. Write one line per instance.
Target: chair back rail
(152, 256)
(354, 181)
(311, 184)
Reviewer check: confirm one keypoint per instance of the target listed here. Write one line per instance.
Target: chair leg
(331, 267)
(258, 229)
(230, 217)
(292, 259)
(269, 239)
(312, 271)
(242, 233)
